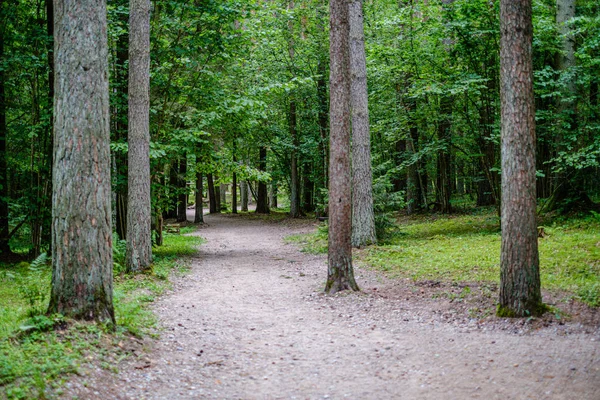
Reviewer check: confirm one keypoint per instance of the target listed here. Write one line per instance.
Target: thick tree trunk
(139, 216)
(81, 217)
(340, 274)
(262, 206)
(244, 195)
(4, 229)
(519, 261)
(183, 190)
(363, 217)
(199, 215)
(212, 198)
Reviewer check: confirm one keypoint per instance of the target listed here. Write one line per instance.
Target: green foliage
(37, 351)
(467, 248)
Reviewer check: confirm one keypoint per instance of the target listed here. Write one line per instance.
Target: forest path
(250, 322)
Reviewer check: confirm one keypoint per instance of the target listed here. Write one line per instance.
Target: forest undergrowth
(37, 351)
(465, 249)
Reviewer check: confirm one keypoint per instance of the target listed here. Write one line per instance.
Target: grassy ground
(35, 359)
(466, 248)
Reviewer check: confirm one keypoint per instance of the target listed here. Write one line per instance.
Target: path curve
(250, 322)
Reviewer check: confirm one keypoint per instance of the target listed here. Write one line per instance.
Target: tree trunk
(414, 195)
(340, 274)
(273, 195)
(223, 196)
(295, 211)
(217, 196)
(173, 185)
(4, 229)
(199, 216)
(234, 183)
(308, 188)
(262, 206)
(244, 195)
(212, 198)
(81, 217)
(520, 293)
(363, 218)
(139, 216)
(183, 190)
(444, 171)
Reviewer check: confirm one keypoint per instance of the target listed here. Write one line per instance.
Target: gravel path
(250, 322)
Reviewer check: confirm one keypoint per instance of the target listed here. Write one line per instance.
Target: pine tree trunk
(199, 215)
(519, 261)
(183, 192)
(139, 216)
(363, 217)
(244, 195)
(413, 182)
(82, 235)
(340, 274)
(262, 206)
(212, 198)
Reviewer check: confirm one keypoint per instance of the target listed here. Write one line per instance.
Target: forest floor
(250, 321)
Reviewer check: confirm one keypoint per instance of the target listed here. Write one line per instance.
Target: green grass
(466, 248)
(35, 362)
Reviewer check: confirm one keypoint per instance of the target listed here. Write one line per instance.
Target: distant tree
(81, 215)
(212, 196)
(340, 275)
(520, 293)
(363, 218)
(199, 212)
(262, 198)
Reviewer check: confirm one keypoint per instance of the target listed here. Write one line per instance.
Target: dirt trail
(250, 322)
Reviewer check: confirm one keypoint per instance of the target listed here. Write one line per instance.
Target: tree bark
(340, 274)
(212, 198)
(520, 293)
(81, 217)
(199, 216)
(363, 217)
(139, 216)
(183, 192)
(223, 196)
(444, 171)
(244, 195)
(262, 206)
